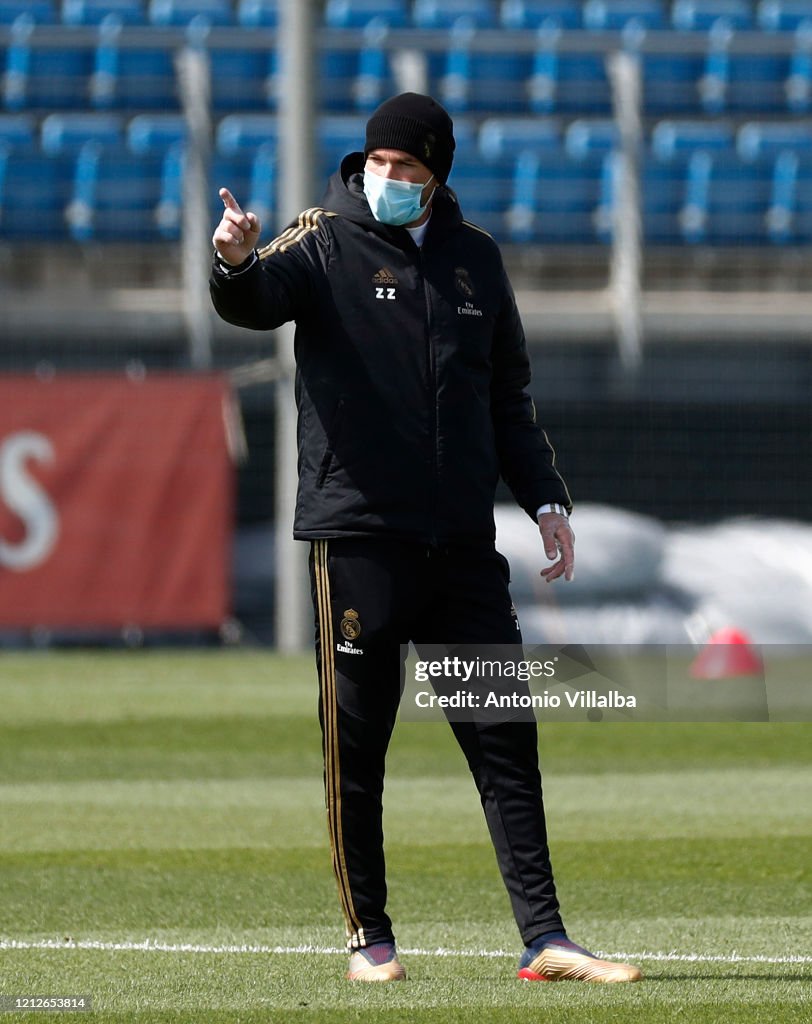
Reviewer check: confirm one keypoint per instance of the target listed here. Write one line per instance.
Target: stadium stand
(725, 82)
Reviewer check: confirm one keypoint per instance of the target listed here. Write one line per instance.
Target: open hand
(559, 540)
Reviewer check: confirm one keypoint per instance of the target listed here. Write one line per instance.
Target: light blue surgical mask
(394, 202)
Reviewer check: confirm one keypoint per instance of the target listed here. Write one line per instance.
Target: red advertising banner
(116, 501)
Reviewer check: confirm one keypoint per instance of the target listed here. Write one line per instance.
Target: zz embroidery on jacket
(384, 282)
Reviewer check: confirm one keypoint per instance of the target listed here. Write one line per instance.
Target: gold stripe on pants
(332, 761)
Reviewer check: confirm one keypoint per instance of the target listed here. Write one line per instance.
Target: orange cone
(726, 655)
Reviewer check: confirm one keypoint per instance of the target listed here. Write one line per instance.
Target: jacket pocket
(328, 458)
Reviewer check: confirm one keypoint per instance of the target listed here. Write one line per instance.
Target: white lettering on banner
(25, 497)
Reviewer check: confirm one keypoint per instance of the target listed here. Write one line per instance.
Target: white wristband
(230, 271)
(552, 506)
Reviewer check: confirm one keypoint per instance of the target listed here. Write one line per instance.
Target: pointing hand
(235, 237)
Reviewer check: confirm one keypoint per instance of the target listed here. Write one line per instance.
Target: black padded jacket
(411, 371)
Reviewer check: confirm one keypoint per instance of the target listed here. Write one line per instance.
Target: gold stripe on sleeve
(308, 221)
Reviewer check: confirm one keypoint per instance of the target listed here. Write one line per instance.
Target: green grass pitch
(173, 801)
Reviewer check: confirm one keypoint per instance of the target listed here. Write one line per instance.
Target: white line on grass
(152, 946)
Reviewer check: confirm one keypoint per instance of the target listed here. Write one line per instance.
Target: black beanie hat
(415, 124)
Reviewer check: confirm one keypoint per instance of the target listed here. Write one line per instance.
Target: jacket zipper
(431, 386)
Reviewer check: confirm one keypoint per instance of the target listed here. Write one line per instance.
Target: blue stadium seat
(759, 140)
(451, 72)
(783, 15)
(336, 137)
(17, 130)
(67, 133)
(93, 12)
(556, 199)
(243, 78)
(475, 80)
(444, 13)
(131, 77)
(567, 82)
(359, 13)
(375, 79)
(799, 79)
(262, 192)
(116, 195)
(245, 161)
(182, 12)
(742, 82)
(789, 220)
(701, 15)
(592, 145)
(45, 75)
(726, 200)
(258, 13)
(34, 191)
(483, 188)
(251, 176)
(591, 139)
(42, 11)
(337, 75)
(359, 79)
(679, 140)
(672, 81)
(613, 15)
(155, 133)
(536, 13)
(169, 211)
(245, 133)
(662, 197)
(503, 138)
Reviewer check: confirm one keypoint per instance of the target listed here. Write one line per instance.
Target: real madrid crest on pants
(350, 625)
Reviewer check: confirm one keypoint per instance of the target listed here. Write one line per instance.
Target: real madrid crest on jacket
(411, 371)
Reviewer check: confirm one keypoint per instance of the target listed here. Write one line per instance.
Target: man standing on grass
(410, 385)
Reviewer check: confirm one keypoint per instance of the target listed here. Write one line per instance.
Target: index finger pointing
(229, 201)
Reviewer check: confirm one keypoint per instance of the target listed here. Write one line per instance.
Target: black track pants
(371, 596)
